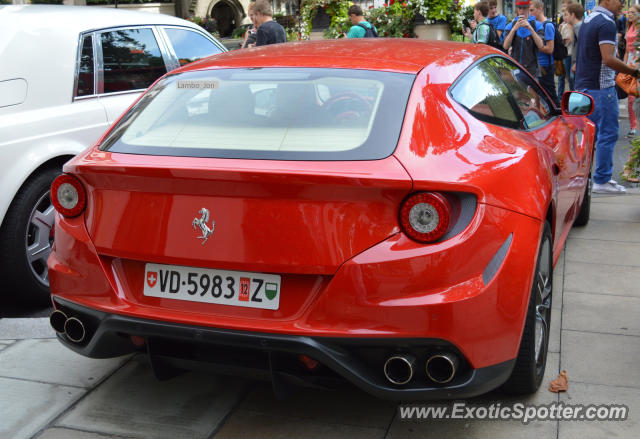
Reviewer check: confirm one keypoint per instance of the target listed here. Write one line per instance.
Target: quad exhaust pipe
(442, 367)
(398, 369)
(72, 327)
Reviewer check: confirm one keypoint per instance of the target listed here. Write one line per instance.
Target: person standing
(596, 67)
(630, 58)
(567, 39)
(573, 16)
(249, 39)
(269, 31)
(498, 21)
(360, 25)
(622, 23)
(546, 78)
(523, 37)
(482, 28)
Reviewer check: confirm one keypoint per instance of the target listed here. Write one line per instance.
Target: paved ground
(49, 392)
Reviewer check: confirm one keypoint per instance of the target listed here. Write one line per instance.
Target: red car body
(355, 288)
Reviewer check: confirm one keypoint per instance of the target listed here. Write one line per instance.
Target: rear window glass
(190, 46)
(132, 59)
(271, 113)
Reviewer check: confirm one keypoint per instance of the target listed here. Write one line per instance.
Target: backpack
(525, 51)
(494, 39)
(559, 49)
(369, 32)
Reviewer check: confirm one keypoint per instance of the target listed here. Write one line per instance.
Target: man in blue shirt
(523, 37)
(357, 19)
(545, 53)
(498, 21)
(596, 67)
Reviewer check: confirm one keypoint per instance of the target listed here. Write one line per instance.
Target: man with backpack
(482, 31)
(498, 21)
(361, 28)
(546, 56)
(523, 37)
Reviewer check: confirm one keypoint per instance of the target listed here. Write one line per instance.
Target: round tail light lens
(425, 216)
(68, 195)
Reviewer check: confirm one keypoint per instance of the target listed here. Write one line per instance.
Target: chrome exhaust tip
(57, 320)
(441, 368)
(399, 369)
(74, 329)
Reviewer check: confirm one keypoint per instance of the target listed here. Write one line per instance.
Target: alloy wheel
(39, 237)
(543, 304)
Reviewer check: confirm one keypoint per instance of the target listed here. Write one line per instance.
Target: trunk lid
(265, 216)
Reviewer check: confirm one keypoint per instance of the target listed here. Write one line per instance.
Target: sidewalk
(50, 392)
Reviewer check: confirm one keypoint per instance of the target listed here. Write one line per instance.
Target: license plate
(225, 287)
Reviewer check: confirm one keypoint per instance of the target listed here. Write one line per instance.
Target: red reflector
(68, 196)
(425, 216)
(137, 341)
(309, 363)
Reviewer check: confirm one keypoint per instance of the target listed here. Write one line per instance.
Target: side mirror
(575, 103)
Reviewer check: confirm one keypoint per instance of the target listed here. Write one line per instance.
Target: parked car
(66, 74)
(303, 213)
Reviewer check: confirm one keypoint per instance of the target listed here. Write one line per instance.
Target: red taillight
(68, 196)
(425, 216)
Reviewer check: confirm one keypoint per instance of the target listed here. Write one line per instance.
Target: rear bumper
(395, 290)
(357, 360)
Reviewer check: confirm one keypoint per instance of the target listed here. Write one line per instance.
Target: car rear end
(256, 222)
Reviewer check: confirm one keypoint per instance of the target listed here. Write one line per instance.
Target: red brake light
(68, 195)
(425, 216)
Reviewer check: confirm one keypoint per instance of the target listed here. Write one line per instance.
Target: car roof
(400, 55)
(74, 19)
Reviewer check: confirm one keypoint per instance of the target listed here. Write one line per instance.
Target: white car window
(84, 86)
(132, 59)
(190, 46)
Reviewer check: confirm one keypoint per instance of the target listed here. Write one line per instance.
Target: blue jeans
(548, 82)
(605, 116)
(568, 74)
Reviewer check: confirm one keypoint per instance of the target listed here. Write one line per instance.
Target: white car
(66, 74)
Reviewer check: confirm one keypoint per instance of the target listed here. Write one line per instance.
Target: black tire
(585, 208)
(25, 228)
(528, 371)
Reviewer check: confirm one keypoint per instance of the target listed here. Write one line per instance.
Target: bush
(633, 164)
(395, 19)
(207, 23)
(239, 32)
(44, 2)
(451, 12)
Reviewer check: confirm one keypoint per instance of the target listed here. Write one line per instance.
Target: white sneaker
(610, 187)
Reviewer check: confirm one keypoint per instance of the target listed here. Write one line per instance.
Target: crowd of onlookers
(586, 50)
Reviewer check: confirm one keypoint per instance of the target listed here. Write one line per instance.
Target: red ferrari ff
(382, 212)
